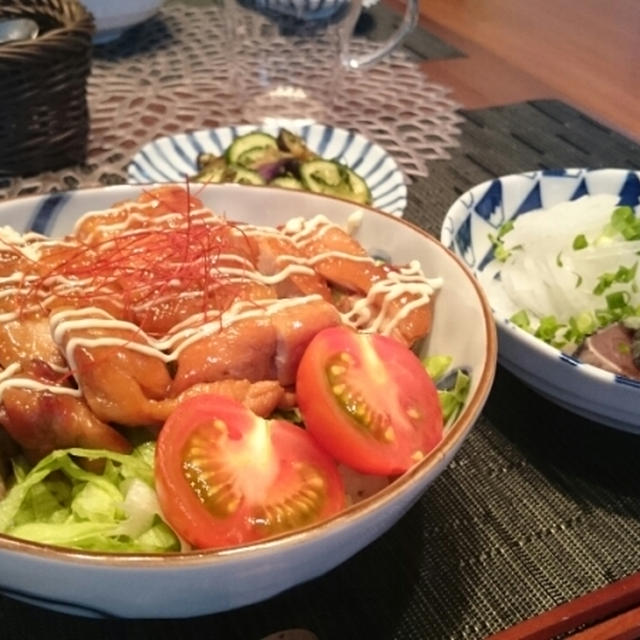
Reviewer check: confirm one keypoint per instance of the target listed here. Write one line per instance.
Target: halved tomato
(225, 476)
(368, 401)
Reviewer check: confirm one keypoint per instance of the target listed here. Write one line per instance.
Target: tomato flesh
(368, 401)
(225, 476)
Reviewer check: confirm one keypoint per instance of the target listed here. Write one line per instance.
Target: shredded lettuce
(452, 400)
(453, 385)
(437, 366)
(61, 503)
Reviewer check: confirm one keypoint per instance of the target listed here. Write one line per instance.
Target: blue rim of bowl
(173, 158)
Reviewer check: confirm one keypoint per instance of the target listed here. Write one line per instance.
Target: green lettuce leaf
(451, 399)
(61, 503)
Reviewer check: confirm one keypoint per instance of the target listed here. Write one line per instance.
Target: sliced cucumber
(250, 141)
(323, 176)
(204, 159)
(360, 192)
(294, 144)
(333, 178)
(242, 175)
(288, 182)
(257, 156)
(215, 170)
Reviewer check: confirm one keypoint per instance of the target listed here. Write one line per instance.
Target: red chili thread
(139, 266)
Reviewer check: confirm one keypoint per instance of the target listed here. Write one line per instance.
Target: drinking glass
(289, 57)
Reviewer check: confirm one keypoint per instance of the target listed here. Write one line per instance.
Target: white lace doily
(171, 74)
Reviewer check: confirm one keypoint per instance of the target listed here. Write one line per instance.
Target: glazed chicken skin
(159, 299)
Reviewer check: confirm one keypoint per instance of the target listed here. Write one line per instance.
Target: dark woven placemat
(539, 505)
(520, 137)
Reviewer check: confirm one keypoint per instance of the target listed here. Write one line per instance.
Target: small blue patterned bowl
(584, 389)
(171, 158)
(301, 10)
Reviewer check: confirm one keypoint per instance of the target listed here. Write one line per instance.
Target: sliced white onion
(545, 275)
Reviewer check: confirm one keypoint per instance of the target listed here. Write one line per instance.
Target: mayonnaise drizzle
(167, 349)
(9, 379)
(93, 327)
(407, 281)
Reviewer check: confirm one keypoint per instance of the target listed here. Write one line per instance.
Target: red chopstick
(618, 604)
(625, 626)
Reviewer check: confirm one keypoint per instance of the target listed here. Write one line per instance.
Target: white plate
(171, 158)
(201, 582)
(584, 389)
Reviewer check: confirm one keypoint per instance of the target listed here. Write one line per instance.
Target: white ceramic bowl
(113, 17)
(584, 389)
(142, 586)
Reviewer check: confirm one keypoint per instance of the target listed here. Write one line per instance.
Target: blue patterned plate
(171, 158)
(584, 389)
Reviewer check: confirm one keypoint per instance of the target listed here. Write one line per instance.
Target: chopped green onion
(623, 221)
(500, 253)
(583, 324)
(548, 328)
(521, 319)
(580, 242)
(617, 300)
(604, 282)
(626, 274)
(623, 275)
(505, 228)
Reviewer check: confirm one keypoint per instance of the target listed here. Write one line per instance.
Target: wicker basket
(44, 119)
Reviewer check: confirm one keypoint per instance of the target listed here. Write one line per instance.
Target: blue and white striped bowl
(581, 388)
(171, 158)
